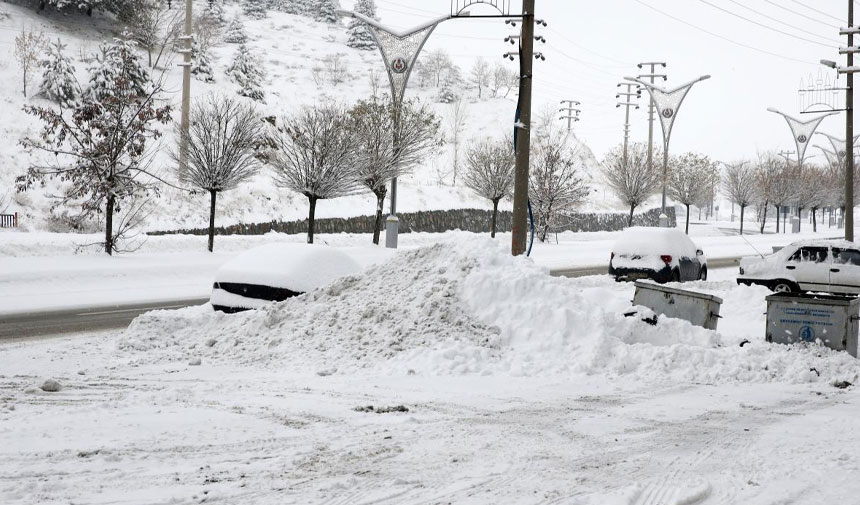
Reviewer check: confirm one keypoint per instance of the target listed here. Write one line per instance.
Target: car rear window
(846, 256)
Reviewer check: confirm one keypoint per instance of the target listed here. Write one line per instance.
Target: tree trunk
(312, 200)
(380, 201)
(700, 213)
(109, 224)
(799, 222)
(630, 219)
(814, 223)
(25, 82)
(763, 220)
(213, 194)
(742, 218)
(777, 218)
(495, 212)
(687, 230)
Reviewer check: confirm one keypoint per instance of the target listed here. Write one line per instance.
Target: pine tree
(255, 9)
(300, 7)
(215, 12)
(118, 61)
(58, 80)
(324, 11)
(359, 33)
(201, 65)
(236, 32)
(246, 71)
(446, 93)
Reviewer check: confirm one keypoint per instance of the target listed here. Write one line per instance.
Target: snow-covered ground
(451, 374)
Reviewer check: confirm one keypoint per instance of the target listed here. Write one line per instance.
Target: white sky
(593, 44)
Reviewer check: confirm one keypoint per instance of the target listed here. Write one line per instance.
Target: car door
(810, 268)
(845, 271)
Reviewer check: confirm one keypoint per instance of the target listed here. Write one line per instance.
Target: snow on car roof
(298, 267)
(654, 241)
(836, 242)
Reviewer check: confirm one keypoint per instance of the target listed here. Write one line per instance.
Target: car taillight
(666, 258)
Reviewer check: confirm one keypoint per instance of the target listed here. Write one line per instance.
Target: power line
(763, 51)
(777, 30)
(813, 9)
(621, 63)
(804, 16)
(779, 21)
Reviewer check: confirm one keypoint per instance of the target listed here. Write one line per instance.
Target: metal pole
(651, 106)
(521, 175)
(392, 223)
(186, 92)
(626, 131)
(849, 134)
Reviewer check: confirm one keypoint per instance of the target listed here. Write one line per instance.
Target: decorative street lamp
(667, 102)
(802, 131)
(399, 50)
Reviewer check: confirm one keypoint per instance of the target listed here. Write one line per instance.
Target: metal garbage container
(699, 309)
(808, 318)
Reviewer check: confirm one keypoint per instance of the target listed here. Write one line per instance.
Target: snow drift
(470, 308)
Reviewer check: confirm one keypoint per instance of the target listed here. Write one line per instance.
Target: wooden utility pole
(186, 91)
(849, 130)
(523, 131)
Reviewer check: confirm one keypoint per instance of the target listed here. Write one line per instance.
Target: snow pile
(470, 308)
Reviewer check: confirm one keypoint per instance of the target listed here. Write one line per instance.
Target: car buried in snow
(275, 272)
(830, 266)
(661, 254)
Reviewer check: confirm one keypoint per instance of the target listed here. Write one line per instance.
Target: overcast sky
(592, 45)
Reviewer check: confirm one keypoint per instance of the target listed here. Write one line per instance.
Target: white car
(829, 266)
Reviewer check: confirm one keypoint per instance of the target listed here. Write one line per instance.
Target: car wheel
(782, 286)
(703, 274)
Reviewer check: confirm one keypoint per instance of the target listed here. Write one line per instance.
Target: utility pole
(186, 91)
(628, 95)
(523, 132)
(651, 75)
(785, 155)
(571, 113)
(849, 125)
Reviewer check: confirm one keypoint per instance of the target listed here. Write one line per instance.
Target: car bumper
(632, 274)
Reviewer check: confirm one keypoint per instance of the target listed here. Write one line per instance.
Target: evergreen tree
(359, 34)
(247, 72)
(58, 80)
(446, 93)
(215, 12)
(300, 7)
(118, 61)
(236, 32)
(254, 9)
(324, 11)
(201, 64)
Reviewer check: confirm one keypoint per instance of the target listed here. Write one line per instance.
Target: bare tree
(437, 63)
(28, 50)
(379, 159)
(631, 179)
(813, 189)
(774, 182)
(223, 137)
(315, 154)
(690, 176)
(101, 148)
(490, 172)
(335, 68)
(152, 26)
(556, 179)
(739, 183)
(480, 75)
(457, 124)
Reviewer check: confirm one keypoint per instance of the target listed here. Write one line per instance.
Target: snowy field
(453, 374)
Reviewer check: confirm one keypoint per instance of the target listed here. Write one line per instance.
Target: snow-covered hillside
(293, 50)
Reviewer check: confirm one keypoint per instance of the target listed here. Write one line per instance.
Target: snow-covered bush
(248, 73)
(236, 33)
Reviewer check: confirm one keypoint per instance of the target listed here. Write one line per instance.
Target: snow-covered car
(275, 272)
(661, 254)
(830, 266)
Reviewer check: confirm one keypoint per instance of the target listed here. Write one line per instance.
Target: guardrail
(9, 220)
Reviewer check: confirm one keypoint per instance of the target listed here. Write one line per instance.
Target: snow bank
(470, 308)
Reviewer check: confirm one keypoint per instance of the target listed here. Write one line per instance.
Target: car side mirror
(699, 252)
